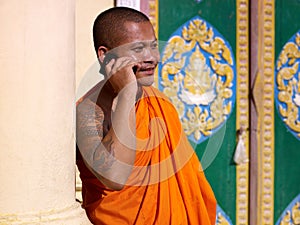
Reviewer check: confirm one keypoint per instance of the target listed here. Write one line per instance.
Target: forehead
(135, 32)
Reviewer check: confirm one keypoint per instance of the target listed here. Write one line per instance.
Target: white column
(37, 117)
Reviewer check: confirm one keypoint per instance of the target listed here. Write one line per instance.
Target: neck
(139, 93)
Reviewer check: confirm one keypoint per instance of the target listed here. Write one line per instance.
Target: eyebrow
(143, 42)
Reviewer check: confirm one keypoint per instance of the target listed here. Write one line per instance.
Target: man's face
(140, 43)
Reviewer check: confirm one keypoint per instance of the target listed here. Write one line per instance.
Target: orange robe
(167, 185)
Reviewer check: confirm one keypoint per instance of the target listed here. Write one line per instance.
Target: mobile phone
(134, 69)
(107, 58)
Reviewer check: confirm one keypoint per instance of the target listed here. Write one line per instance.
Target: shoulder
(87, 109)
(154, 92)
(92, 94)
(87, 104)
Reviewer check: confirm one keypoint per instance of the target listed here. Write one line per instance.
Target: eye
(154, 45)
(138, 49)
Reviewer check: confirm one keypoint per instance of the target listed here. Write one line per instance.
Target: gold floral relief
(222, 218)
(291, 215)
(198, 74)
(288, 84)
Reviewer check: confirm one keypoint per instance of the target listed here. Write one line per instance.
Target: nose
(150, 55)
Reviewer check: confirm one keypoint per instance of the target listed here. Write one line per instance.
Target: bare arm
(110, 157)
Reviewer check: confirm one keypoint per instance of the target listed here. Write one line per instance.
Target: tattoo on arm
(90, 120)
(97, 151)
(105, 157)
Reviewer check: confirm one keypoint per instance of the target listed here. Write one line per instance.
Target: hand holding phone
(121, 71)
(107, 58)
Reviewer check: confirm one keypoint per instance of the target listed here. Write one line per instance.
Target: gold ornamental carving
(264, 99)
(242, 108)
(197, 71)
(288, 85)
(221, 220)
(291, 216)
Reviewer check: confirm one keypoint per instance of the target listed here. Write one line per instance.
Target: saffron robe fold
(167, 184)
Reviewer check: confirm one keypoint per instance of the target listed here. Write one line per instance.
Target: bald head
(109, 27)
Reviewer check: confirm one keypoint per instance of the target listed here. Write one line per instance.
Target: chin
(146, 81)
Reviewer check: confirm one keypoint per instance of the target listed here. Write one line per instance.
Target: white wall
(86, 61)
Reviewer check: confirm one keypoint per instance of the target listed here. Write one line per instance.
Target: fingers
(120, 73)
(116, 65)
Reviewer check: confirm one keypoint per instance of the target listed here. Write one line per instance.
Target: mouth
(147, 70)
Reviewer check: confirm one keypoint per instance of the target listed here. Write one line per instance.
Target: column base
(73, 215)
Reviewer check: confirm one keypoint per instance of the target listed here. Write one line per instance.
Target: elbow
(115, 182)
(111, 180)
(116, 186)
(117, 179)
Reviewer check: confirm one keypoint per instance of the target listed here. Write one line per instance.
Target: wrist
(130, 90)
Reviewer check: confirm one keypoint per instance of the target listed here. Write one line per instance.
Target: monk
(135, 162)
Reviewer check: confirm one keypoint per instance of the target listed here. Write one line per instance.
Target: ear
(101, 52)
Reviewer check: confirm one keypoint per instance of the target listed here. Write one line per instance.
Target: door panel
(215, 149)
(274, 151)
